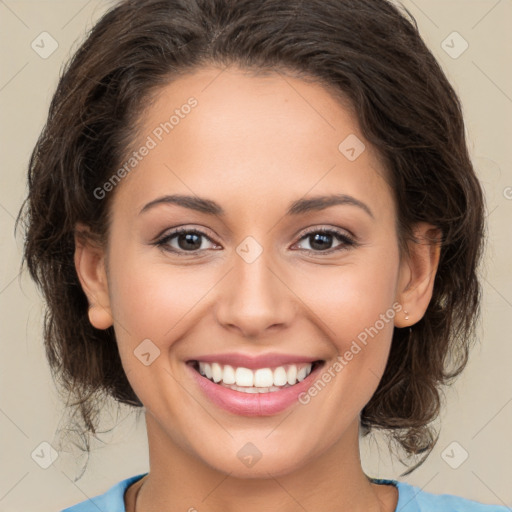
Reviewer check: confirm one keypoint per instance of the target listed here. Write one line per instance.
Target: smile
(260, 380)
(253, 391)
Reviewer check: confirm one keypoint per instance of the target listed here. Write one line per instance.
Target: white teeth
(228, 375)
(270, 389)
(261, 380)
(291, 374)
(216, 372)
(301, 374)
(280, 378)
(243, 377)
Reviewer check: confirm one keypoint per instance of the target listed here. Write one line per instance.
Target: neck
(179, 480)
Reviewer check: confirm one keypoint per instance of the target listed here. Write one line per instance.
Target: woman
(258, 220)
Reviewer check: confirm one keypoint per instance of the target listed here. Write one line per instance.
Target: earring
(406, 315)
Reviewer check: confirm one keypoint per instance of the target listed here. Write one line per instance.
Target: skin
(253, 145)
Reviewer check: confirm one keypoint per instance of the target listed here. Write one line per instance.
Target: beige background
(478, 413)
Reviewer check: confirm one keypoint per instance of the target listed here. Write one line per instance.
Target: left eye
(320, 239)
(189, 240)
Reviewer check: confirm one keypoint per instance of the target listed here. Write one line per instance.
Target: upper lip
(253, 362)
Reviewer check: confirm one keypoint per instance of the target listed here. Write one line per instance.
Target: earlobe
(417, 274)
(89, 261)
(100, 317)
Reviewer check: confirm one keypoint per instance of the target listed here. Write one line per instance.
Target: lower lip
(253, 404)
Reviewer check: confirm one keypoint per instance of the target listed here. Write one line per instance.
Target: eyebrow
(300, 206)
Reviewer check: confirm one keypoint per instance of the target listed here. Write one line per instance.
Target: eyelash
(347, 241)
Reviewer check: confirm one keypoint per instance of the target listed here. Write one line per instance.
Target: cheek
(154, 299)
(156, 303)
(353, 305)
(150, 301)
(349, 298)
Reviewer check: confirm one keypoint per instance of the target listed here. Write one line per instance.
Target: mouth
(255, 380)
(272, 384)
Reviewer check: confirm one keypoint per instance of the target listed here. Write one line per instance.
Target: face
(252, 274)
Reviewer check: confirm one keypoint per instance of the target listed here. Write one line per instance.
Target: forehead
(237, 136)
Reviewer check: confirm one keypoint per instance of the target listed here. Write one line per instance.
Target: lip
(253, 404)
(237, 359)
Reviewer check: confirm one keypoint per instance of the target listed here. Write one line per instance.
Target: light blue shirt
(410, 499)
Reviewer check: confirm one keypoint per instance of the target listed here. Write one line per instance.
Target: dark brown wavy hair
(370, 53)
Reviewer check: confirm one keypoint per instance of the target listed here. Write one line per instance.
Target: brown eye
(185, 240)
(321, 240)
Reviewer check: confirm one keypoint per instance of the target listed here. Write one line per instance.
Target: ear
(417, 274)
(91, 269)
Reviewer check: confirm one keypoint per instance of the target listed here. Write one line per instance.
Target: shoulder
(413, 499)
(111, 500)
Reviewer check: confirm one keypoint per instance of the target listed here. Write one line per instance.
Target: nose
(255, 298)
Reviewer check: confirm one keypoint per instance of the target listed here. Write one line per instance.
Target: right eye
(187, 241)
